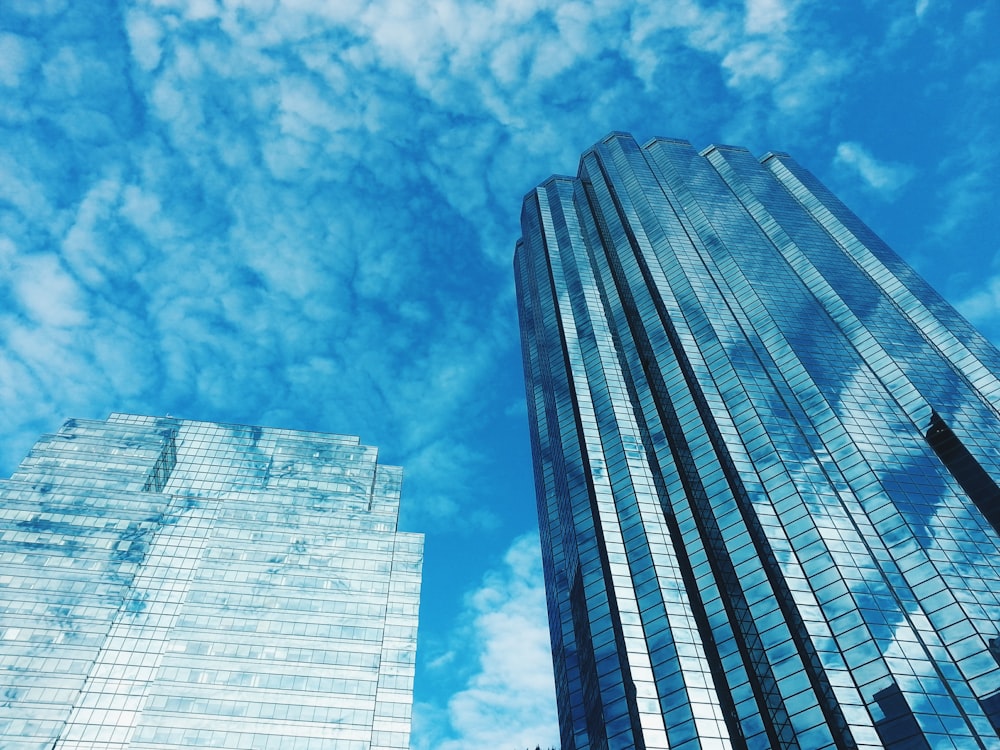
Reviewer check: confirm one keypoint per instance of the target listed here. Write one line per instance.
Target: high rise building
(766, 457)
(166, 583)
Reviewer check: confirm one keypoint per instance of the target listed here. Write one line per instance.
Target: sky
(302, 214)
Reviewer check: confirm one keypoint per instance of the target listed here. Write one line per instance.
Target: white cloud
(145, 34)
(509, 700)
(48, 294)
(65, 71)
(982, 307)
(811, 84)
(885, 178)
(84, 246)
(753, 60)
(965, 194)
(24, 190)
(288, 204)
(302, 213)
(37, 8)
(767, 16)
(310, 189)
(16, 57)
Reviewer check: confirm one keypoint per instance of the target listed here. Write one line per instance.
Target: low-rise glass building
(170, 583)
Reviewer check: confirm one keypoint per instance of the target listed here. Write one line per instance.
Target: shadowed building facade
(166, 583)
(766, 457)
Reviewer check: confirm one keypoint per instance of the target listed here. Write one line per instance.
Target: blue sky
(302, 214)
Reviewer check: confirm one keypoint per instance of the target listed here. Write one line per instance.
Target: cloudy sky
(302, 213)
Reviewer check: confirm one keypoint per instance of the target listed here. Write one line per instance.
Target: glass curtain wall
(766, 459)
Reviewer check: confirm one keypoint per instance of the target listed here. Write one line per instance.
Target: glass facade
(166, 583)
(766, 458)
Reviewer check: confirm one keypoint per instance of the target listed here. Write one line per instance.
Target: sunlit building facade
(166, 583)
(766, 458)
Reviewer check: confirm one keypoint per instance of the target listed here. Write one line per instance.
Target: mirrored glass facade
(766, 458)
(166, 583)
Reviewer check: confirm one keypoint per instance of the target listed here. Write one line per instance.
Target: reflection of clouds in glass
(941, 540)
(180, 591)
(874, 422)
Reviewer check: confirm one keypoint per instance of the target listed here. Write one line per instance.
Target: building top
(215, 460)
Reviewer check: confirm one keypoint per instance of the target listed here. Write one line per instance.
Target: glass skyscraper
(766, 457)
(166, 583)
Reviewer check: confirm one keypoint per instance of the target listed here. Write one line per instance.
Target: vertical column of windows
(668, 456)
(696, 339)
(752, 402)
(957, 548)
(704, 460)
(961, 345)
(649, 549)
(884, 338)
(391, 728)
(566, 495)
(110, 705)
(929, 503)
(610, 677)
(635, 290)
(550, 537)
(66, 564)
(815, 364)
(760, 284)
